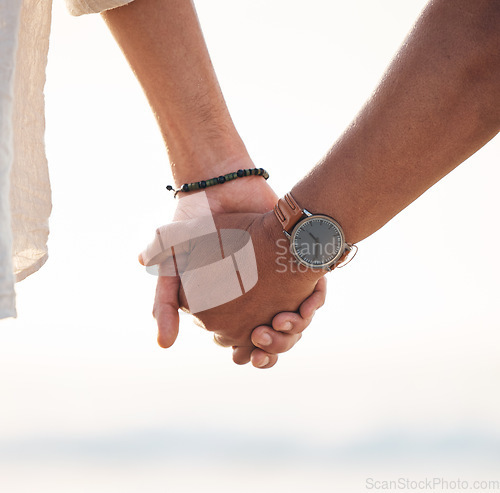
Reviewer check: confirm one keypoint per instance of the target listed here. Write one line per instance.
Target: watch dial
(317, 241)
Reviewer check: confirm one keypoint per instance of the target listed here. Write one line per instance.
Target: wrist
(199, 152)
(342, 202)
(245, 194)
(279, 250)
(204, 164)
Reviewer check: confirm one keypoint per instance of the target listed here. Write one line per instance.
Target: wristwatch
(316, 240)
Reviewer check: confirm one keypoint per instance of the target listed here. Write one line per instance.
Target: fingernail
(265, 339)
(287, 326)
(264, 362)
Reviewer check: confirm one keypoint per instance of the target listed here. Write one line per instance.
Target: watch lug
(287, 234)
(351, 251)
(306, 212)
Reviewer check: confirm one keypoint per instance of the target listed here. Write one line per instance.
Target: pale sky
(400, 368)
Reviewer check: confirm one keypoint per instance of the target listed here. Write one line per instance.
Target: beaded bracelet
(197, 185)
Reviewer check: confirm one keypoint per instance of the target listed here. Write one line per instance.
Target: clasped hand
(223, 270)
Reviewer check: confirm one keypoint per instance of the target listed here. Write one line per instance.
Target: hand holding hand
(233, 322)
(286, 331)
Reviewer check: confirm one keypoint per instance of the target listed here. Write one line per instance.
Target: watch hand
(313, 237)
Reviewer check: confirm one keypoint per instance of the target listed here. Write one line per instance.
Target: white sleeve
(30, 197)
(80, 7)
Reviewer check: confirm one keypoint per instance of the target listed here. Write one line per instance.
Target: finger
(166, 310)
(261, 359)
(289, 323)
(269, 340)
(176, 234)
(242, 354)
(315, 301)
(295, 323)
(157, 251)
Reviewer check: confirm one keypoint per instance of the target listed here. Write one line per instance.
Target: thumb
(166, 309)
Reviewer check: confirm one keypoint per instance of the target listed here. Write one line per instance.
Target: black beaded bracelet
(199, 185)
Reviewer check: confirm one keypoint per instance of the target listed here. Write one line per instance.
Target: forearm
(164, 45)
(438, 103)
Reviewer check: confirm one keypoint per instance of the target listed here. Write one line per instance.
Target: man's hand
(280, 286)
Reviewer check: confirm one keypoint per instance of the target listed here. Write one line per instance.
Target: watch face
(317, 241)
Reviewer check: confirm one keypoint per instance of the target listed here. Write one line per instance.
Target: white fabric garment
(25, 201)
(79, 7)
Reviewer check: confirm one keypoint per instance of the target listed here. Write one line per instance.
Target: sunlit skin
(437, 104)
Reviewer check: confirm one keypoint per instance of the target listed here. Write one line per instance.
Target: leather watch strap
(288, 212)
